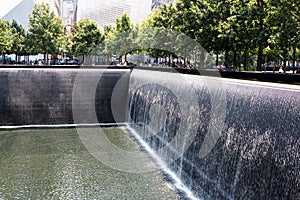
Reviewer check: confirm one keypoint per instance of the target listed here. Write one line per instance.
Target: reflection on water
(53, 164)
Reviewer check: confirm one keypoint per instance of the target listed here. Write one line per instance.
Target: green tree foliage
(262, 34)
(121, 39)
(46, 31)
(86, 37)
(161, 18)
(19, 35)
(265, 28)
(284, 17)
(104, 49)
(242, 27)
(214, 26)
(239, 30)
(123, 24)
(5, 38)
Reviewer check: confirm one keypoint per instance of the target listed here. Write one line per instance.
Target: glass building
(157, 3)
(105, 12)
(20, 10)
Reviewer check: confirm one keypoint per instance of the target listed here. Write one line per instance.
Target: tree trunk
(19, 58)
(165, 60)
(45, 57)
(227, 57)
(27, 59)
(54, 59)
(3, 58)
(260, 45)
(284, 61)
(149, 59)
(246, 60)
(294, 59)
(265, 63)
(82, 60)
(217, 59)
(259, 57)
(234, 59)
(288, 62)
(202, 57)
(274, 67)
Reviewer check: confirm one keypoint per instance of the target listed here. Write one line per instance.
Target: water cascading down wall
(223, 138)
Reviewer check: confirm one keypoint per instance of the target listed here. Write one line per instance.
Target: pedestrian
(281, 70)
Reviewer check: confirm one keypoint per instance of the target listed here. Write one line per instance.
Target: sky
(6, 7)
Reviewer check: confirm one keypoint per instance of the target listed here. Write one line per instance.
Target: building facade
(21, 9)
(157, 3)
(67, 12)
(105, 12)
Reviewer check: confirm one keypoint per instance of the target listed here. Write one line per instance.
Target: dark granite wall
(255, 157)
(44, 96)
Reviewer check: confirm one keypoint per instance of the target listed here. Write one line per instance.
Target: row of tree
(47, 35)
(237, 29)
(268, 29)
(259, 31)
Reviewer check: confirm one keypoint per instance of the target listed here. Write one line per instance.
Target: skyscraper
(157, 3)
(67, 11)
(20, 10)
(105, 12)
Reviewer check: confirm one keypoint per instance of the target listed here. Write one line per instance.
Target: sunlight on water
(54, 164)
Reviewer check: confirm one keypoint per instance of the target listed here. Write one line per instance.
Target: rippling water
(54, 164)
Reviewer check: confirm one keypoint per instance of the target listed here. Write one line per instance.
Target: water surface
(54, 164)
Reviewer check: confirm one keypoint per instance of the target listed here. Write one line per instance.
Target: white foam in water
(63, 125)
(161, 164)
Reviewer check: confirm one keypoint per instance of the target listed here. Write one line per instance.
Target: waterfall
(224, 139)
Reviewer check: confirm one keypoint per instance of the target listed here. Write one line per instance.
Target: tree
(161, 18)
(122, 37)
(187, 16)
(284, 17)
(5, 38)
(86, 36)
(46, 31)
(242, 27)
(19, 34)
(237, 29)
(260, 10)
